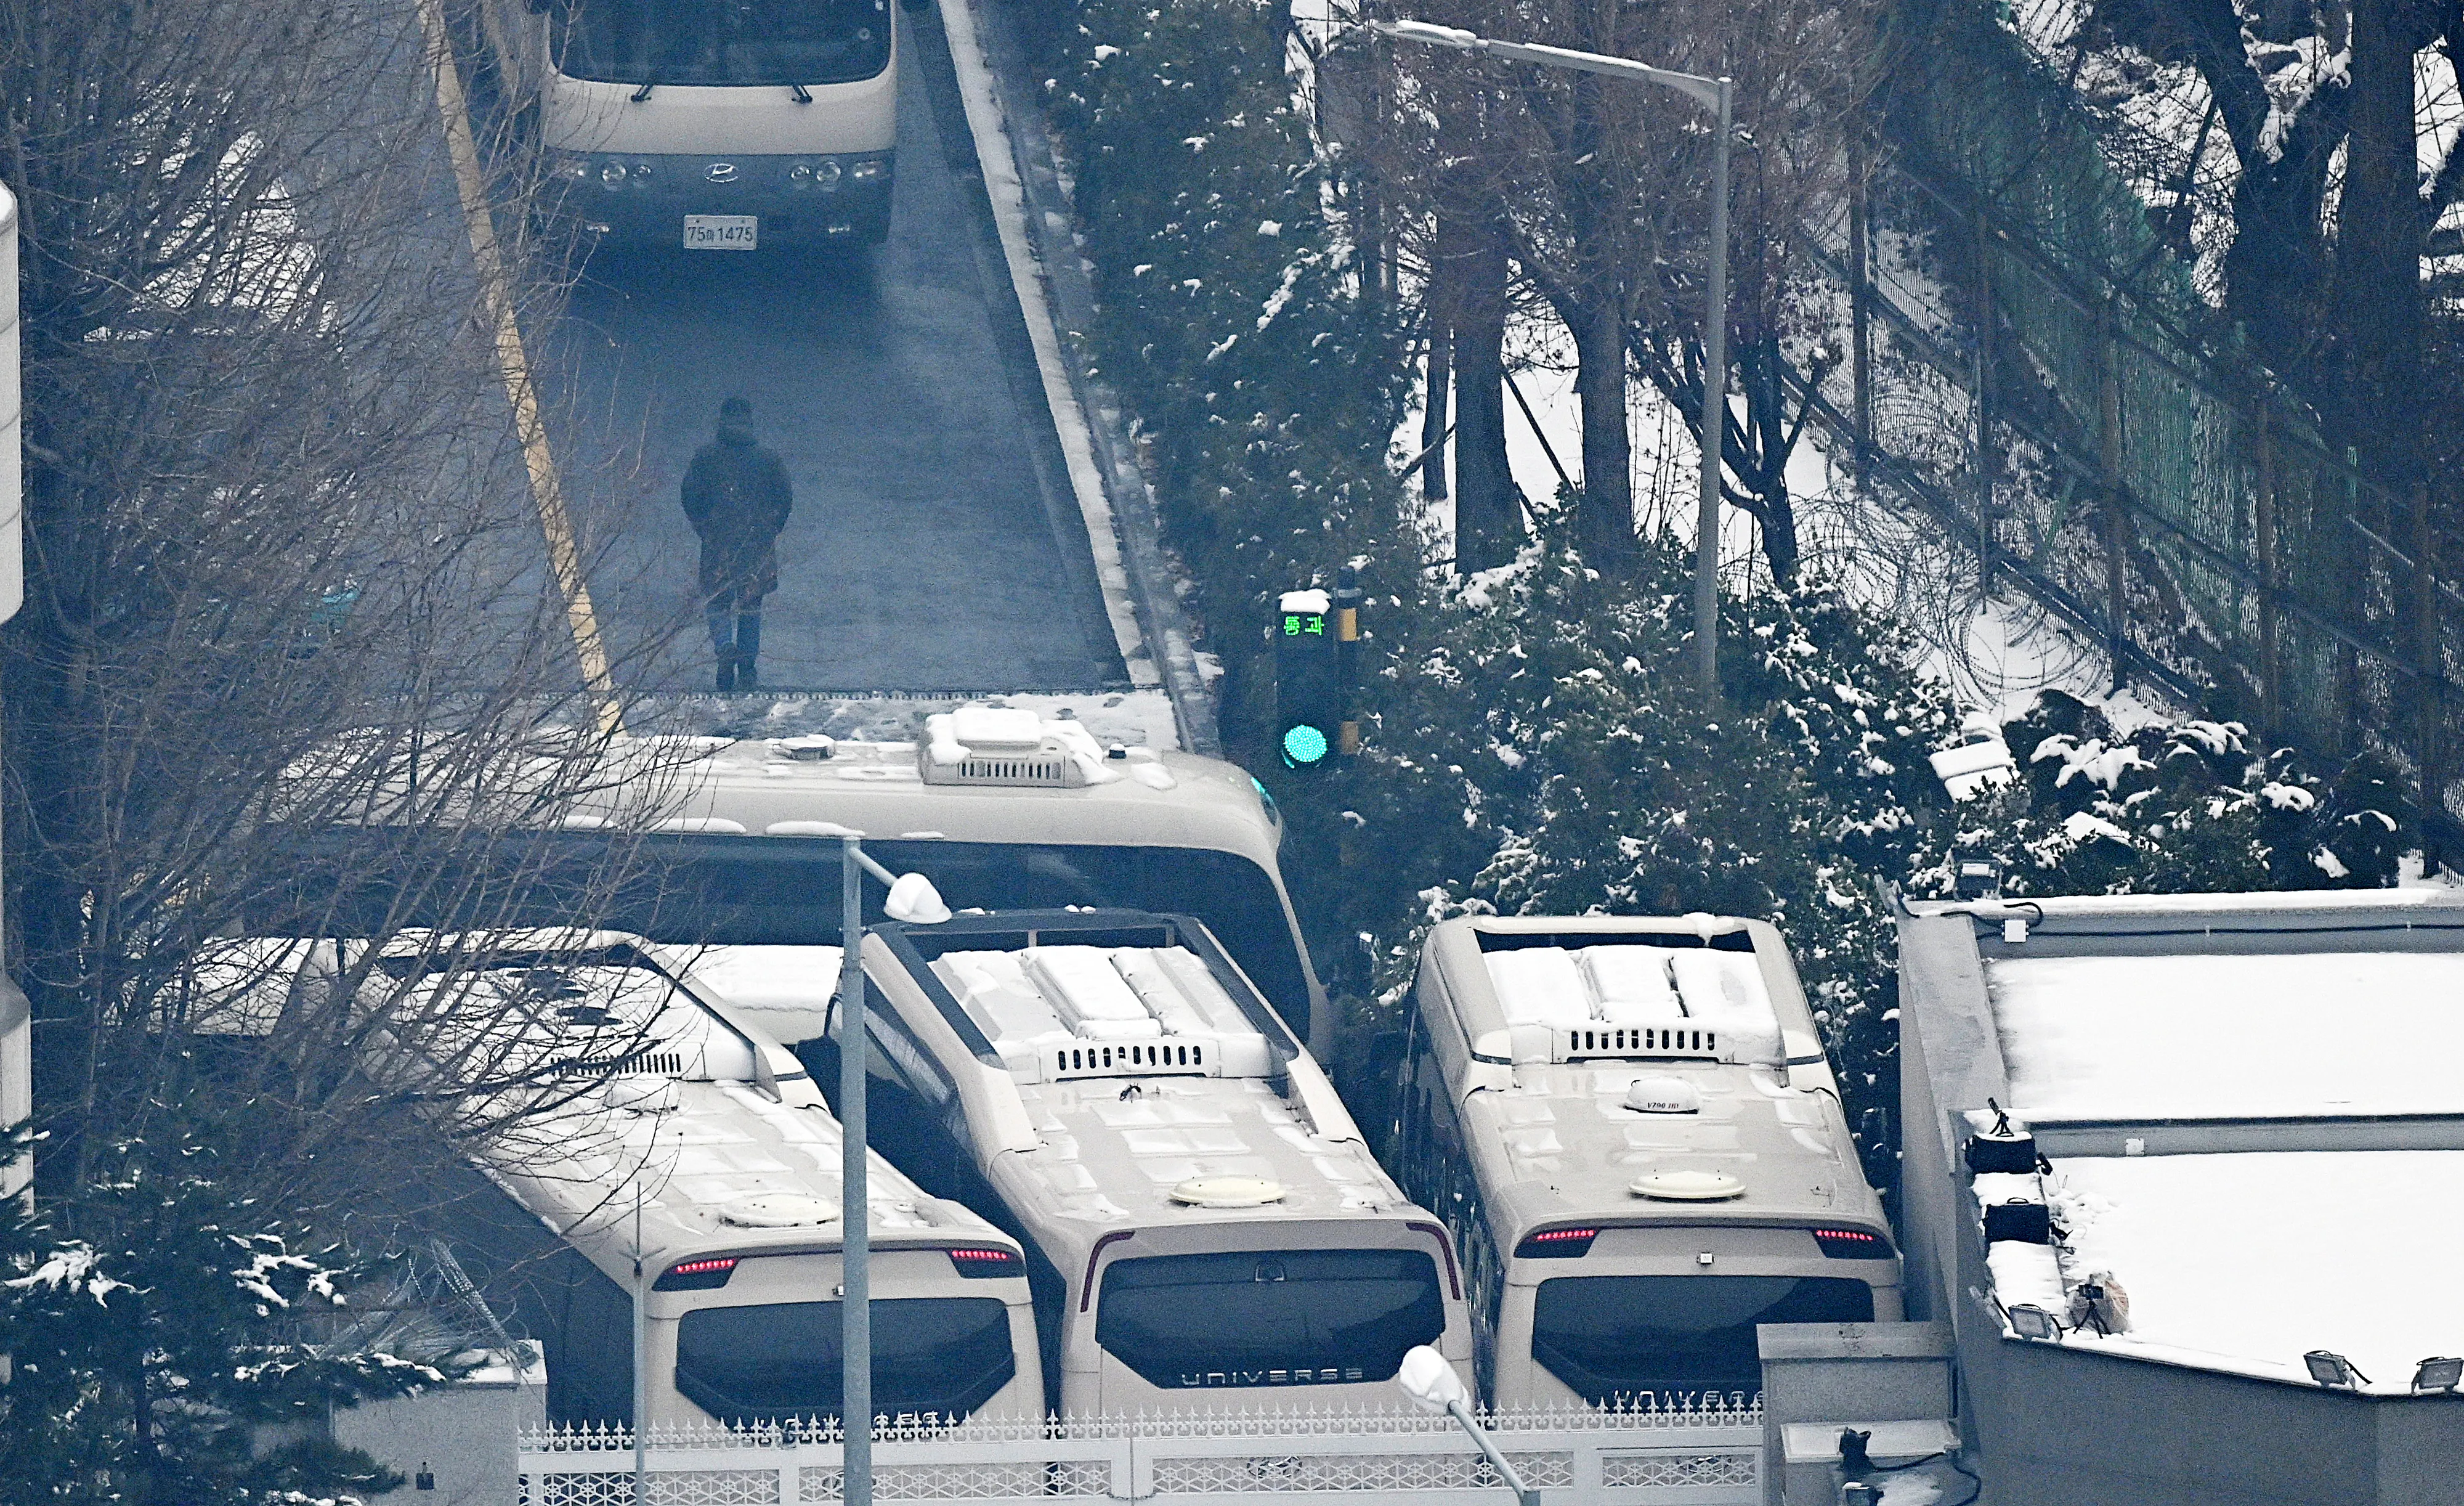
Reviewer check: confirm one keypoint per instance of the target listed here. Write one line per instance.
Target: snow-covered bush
(1230, 311)
(1539, 745)
(2175, 809)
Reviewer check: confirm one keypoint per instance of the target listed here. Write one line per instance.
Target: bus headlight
(612, 175)
(826, 173)
(801, 172)
(866, 170)
(573, 169)
(640, 169)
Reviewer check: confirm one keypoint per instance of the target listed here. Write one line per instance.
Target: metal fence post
(2271, 674)
(2430, 657)
(2109, 446)
(2355, 557)
(1981, 455)
(1860, 322)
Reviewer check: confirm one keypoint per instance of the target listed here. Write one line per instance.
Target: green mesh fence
(2256, 568)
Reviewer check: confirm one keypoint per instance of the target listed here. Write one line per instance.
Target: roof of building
(2249, 1108)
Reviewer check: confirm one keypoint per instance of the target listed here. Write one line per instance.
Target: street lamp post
(1431, 1382)
(1716, 95)
(912, 898)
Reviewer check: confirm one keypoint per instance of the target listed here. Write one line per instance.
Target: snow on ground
(2256, 1259)
(2212, 1036)
(1666, 463)
(1996, 658)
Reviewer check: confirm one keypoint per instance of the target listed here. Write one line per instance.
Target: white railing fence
(1709, 1455)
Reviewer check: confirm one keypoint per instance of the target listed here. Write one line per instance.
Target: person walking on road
(737, 496)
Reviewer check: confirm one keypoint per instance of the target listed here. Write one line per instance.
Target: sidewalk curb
(1056, 292)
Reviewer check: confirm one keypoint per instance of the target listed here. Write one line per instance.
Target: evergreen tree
(157, 1352)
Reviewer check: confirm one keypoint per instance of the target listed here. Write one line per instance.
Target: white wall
(462, 1436)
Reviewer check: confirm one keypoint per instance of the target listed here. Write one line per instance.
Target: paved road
(935, 542)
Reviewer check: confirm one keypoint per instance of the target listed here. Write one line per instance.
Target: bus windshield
(940, 1357)
(1633, 1336)
(721, 41)
(1269, 1318)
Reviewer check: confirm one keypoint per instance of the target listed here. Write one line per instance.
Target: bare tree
(290, 638)
(1602, 191)
(2331, 211)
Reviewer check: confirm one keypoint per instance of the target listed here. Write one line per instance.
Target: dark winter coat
(737, 496)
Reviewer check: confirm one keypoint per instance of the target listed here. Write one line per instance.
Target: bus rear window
(1612, 1337)
(942, 1356)
(723, 42)
(1269, 1318)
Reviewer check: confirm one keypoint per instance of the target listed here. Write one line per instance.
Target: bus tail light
(1556, 1244)
(985, 1264)
(1852, 1244)
(696, 1275)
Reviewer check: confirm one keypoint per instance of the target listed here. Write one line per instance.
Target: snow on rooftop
(1035, 1003)
(1637, 985)
(2267, 1036)
(784, 989)
(2254, 1258)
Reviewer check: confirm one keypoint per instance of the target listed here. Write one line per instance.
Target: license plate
(722, 232)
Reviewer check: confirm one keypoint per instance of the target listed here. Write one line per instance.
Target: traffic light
(1309, 688)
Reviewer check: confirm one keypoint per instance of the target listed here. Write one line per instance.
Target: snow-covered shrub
(1539, 747)
(2175, 809)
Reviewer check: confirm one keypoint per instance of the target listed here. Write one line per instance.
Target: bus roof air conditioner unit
(999, 746)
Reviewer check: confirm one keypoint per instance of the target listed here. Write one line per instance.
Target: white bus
(1633, 1134)
(710, 124)
(670, 1121)
(1026, 813)
(1199, 1212)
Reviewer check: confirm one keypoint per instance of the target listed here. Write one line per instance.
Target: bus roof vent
(1688, 1186)
(778, 1211)
(1227, 1192)
(1624, 1000)
(1002, 746)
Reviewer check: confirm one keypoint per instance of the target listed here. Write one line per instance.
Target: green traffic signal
(1304, 746)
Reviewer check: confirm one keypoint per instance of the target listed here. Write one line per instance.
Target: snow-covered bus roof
(668, 1104)
(1130, 1067)
(2248, 1102)
(1002, 808)
(1621, 1070)
(1072, 793)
